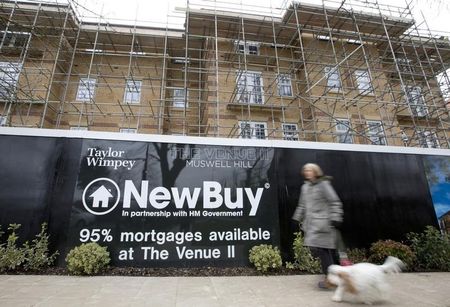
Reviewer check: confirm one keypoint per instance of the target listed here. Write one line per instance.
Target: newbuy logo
(102, 195)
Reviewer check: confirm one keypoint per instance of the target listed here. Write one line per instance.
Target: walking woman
(319, 212)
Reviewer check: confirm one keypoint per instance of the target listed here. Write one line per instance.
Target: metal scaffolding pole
(230, 60)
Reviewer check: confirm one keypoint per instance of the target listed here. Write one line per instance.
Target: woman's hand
(336, 224)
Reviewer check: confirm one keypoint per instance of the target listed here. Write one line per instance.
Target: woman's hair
(314, 167)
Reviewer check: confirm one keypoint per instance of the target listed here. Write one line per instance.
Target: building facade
(361, 73)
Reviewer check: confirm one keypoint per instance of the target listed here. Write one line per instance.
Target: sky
(437, 173)
(141, 11)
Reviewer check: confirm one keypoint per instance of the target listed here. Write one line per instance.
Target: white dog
(366, 281)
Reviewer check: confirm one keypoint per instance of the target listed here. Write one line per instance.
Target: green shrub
(357, 255)
(380, 250)
(265, 257)
(87, 259)
(11, 256)
(37, 254)
(432, 249)
(303, 260)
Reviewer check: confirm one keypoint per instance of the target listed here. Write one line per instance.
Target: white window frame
(9, 76)
(79, 128)
(333, 78)
(364, 82)
(254, 130)
(133, 89)
(290, 132)
(428, 139)
(128, 130)
(377, 137)
(179, 101)
(244, 47)
(343, 131)
(353, 41)
(404, 65)
(444, 86)
(86, 89)
(248, 89)
(284, 85)
(3, 121)
(325, 38)
(12, 41)
(416, 101)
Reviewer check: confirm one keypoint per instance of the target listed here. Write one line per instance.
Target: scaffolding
(350, 72)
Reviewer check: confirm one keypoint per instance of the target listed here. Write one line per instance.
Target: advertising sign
(159, 204)
(438, 175)
(190, 202)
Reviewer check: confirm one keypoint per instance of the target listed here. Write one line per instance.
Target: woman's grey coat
(317, 207)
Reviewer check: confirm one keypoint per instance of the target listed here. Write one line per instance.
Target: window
(428, 139)
(353, 41)
(3, 121)
(132, 91)
(444, 86)
(9, 75)
(284, 85)
(416, 100)
(252, 130)
(363, 81)
(248, 47)
(290, 132)
(14, 39)
(376, 133)
(86, 89)
(249, 87)
(181, 60)
(333, 79)
(128, 130)
(404, 65)
(179, 97)
(325, 38)
(343, 131)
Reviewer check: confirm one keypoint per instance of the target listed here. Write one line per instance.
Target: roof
(444, 215)
(310, 17)
(52, 16)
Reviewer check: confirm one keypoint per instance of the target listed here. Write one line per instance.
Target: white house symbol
(101, 195)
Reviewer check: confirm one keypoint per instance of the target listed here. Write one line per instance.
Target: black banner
(157, 204)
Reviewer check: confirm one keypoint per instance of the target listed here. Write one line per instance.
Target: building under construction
(362, 73)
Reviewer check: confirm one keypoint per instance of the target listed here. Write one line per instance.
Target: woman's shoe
(325, 285)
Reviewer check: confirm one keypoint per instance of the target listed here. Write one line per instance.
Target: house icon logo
(101, 196)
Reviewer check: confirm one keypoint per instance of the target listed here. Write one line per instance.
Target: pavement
(408, 289)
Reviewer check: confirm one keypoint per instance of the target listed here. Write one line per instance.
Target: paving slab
(407, 289)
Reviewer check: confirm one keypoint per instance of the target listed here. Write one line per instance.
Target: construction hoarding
(191, 202)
